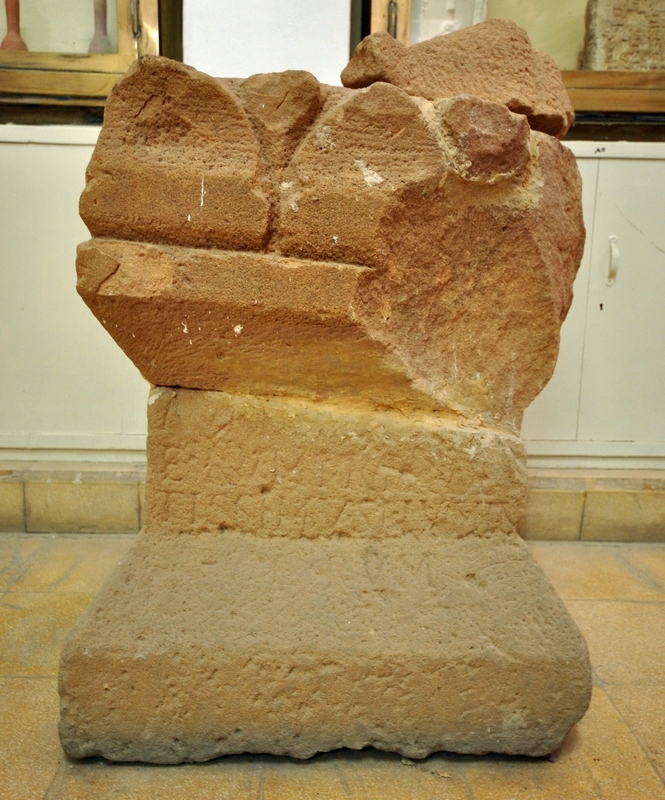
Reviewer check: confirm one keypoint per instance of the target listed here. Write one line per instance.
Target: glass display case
(71, 51)
(611, 52)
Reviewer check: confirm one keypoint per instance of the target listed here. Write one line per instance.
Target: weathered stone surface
(448, 205)
(282, 106)
(624, 35)
(177, 160)
(288, 468)
(486, 142)
(345, 299)
(444, 248)
(294, 646)
(493, 60)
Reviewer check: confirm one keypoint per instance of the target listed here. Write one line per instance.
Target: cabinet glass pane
(61, 26)
(605, 35)
(626, 35)
(435, 17)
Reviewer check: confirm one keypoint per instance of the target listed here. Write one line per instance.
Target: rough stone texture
(282, 106)
(345, 299)
(177, 161)
(217, 643)
(277, 467)
(444, 216)
(624, 35)
(493, 60)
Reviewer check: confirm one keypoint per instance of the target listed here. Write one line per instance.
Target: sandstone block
(177, 160)
(287, 468)
(294, 646)
(525, 80)
(447, 206)
(345, 300)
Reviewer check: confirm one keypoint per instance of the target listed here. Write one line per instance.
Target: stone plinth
(345, 299)
(296, 646)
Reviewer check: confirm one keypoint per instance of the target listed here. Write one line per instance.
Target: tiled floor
(616, 592)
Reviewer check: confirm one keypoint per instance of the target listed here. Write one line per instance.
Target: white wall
(237, 38)
(66, 389)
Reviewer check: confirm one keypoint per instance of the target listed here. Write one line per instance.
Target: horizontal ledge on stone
(115, 267)
(243, 322)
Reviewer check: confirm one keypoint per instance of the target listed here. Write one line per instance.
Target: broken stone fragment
(486, 142)
(413, 216)
(493, 60)
(345, 299)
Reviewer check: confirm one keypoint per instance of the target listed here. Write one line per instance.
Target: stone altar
(344, 299)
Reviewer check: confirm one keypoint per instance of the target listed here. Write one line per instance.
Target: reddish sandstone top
(277, 236)
(493, 60)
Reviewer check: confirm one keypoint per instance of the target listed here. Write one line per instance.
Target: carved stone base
(306, 584)
(218, 643)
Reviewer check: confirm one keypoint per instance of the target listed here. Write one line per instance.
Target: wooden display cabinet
(44, 74)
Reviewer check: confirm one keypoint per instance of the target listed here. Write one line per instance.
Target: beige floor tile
(626, 640)
(29, 747)
(643, 708)
(33, 628)
(76, 562)
(620, 516)
(335, 776)
(648, 560)
(384, 775)
(98, 780)
(16, 554)
(67, 506)
(497, 778)
(613, 757)
(590, 571)
(600, 760)
(12, 515)
(286, 780)
(552, 514)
